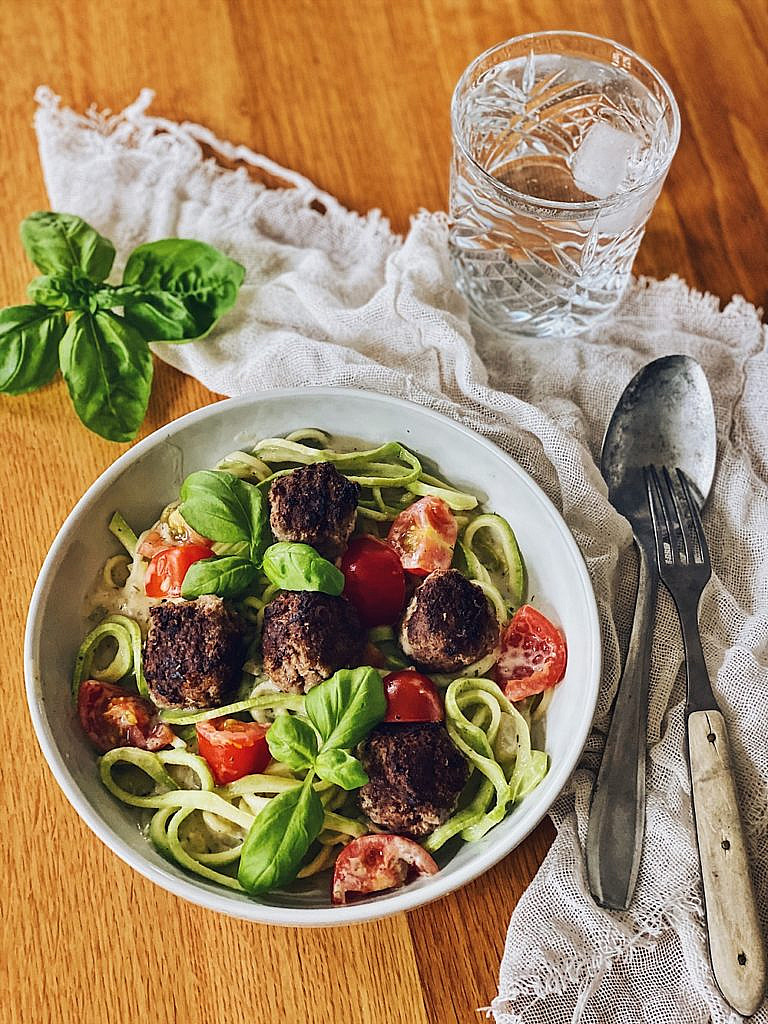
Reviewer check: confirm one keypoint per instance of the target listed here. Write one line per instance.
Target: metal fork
(735, 939)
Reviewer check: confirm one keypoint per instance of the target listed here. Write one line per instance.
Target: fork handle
(735, 938)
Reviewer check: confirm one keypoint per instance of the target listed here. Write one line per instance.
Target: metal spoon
(664, 417)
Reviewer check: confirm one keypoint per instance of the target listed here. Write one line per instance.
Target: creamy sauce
(130, 599)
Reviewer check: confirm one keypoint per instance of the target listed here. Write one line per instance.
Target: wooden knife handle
(735, 937)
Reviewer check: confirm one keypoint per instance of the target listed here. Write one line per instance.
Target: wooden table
(355, 94)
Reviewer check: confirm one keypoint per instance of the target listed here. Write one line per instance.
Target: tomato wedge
(412, 697)
(167, 569)
(424, 535)
(374, 581)
(111, 717)
(155, 540)
(533, 655)
(377, 862)
(232, 748)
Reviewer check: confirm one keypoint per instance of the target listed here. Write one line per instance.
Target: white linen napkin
(331, 297)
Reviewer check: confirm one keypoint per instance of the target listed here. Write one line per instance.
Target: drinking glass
(561, 143)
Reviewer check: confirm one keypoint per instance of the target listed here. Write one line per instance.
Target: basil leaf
(292, 741)
(108, 369)
(60, 291)
(225, 508)
(57, 242)
(293, 566)
(279, 838)
(29, 347)
(188, 285)
(227, 577)
(340, 768)
(108, 296)
(346, 707)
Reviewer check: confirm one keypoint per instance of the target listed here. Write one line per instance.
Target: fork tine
(701, 555)
(660, 523)
(672, 504)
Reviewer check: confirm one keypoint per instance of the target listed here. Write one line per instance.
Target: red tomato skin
(167, 569)
(232, 749)
(533, 655)
(374, 581)
(112, 717)
(424, 536)
(412, 697)
(154, 540)
(374, 863)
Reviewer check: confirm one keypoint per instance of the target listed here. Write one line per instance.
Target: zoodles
(206, 826)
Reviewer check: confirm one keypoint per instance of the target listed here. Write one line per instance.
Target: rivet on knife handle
(617, 815)
(735, 938)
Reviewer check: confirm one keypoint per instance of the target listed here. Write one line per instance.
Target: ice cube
(601, 163)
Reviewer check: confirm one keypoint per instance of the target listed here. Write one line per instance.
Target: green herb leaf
(59, 291)
(292, 741)
(279, 838)
(108, 369)
(29, 347)
(292, 566)
(340, 768)
(188, 285)
(225, 508)
(227, 577)
(58, 242)
(346, 707)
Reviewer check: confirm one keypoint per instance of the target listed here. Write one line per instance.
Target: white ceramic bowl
(148, 476)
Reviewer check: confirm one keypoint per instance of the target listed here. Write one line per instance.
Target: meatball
(314, 505)
(449, 623)
(308, 636)
(194, 654)
(416, 775)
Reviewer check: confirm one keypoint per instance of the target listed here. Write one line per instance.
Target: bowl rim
(409, 898)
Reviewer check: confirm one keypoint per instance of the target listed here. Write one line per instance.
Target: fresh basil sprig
(294, 566)
(279, 838)
(341, 712)
(227, 577)
(346, 707)
(225, 508)
(173, 290)
(230, 511)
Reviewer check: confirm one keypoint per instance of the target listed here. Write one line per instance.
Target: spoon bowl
(665, 417)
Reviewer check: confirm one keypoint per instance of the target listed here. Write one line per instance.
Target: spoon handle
(617, 815)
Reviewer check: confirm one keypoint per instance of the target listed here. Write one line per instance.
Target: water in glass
(558, 160)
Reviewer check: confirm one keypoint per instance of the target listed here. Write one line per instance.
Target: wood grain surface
(355, 94)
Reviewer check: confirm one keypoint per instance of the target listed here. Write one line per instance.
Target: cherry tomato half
(111, 717)
(374, 581)
(412, 697)
(424, 535)
(533, 655)
(167, 569)
(374, 863)
(233, 749)
(158, 539)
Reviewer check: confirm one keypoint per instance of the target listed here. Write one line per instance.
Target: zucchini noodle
(246, 466)
(503, 544)
(276, 701)
(225, 813)
(123, 532)
(111, 566)
(202, 827)
(494, 737)
(120, 664)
